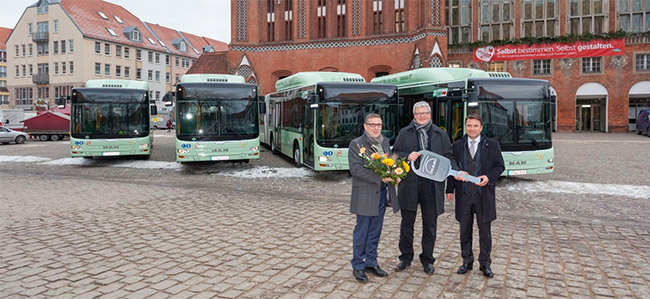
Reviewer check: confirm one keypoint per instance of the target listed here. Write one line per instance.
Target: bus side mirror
(60, 102)
(470, 97)
(312, 99)
(154, 109)
(262, 103)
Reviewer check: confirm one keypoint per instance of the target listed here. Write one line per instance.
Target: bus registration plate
(110, 153)
(517, 172)
(219, 158)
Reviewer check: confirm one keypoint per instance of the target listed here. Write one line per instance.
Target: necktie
(472, 148)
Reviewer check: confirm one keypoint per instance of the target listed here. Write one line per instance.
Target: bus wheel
(55, 137)
(43, 137)
(296, 155)
(273, 149)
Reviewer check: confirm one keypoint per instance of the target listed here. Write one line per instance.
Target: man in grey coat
(421, 134)
(369, 199)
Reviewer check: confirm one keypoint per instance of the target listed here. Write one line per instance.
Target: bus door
(308, 135)
(277, 112)
(448, 115)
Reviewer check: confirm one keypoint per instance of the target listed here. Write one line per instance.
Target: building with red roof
(60, 44)
(4, 92)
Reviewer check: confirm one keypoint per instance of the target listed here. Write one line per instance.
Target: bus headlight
(324, 159)
(146, 145)
(550, 160)
(183, 151)
(254, 149)
(75, 147)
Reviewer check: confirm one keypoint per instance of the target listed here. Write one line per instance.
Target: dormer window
(101, 14)
(118, 19)
(111, 31)
(151, 41)
(132, 33)
(179, 44)
(43, 7)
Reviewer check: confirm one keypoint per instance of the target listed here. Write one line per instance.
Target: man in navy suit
(481, 157)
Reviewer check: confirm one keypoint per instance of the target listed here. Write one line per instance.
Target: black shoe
(428, 268)
(402, 265)
(360, 275)
(464, 268)
(486, 271)
(377, 271)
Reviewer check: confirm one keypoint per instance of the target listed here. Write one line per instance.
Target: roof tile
(4, 34)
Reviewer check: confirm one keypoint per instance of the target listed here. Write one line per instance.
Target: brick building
(593, 93)
(272, 39)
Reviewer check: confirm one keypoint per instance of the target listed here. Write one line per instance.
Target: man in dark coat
(421, 134)
(481, 157)
(369, 199)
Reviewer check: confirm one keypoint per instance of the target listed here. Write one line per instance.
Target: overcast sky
(209, 18)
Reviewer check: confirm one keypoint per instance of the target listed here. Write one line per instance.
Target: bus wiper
(535, 142)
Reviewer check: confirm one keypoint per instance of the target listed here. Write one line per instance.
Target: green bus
(111, 118)
(216, 119)
(516, 112)
(313, 116)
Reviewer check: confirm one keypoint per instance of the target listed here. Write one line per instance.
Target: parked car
(642, 123)
(8, 135)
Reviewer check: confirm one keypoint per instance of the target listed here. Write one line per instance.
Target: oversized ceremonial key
(438, 168)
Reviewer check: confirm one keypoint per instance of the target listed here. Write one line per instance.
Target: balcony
(41, 37)
(41, 78)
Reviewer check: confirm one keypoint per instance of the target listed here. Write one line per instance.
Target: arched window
(436, 61)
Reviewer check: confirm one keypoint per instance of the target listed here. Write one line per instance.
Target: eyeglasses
(421, 113)
(376, 126)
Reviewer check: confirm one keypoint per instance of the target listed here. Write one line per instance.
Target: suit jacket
(406, 143)
(490, 164)
(366, 184)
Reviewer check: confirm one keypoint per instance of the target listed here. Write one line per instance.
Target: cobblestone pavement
(101, 231)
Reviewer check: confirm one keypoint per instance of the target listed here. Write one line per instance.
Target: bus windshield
(109, 113)
(517, 114)
(340, 118)
(209, 113)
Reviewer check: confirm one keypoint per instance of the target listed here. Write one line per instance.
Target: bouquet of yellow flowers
(386, 167)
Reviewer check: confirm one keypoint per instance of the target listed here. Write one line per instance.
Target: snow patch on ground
(269, 172)
(20, 159)
(580, 188)
(69, 161)
(124, 164)
(149, 165)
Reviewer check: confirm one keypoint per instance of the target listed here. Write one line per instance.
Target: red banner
(551, 51)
